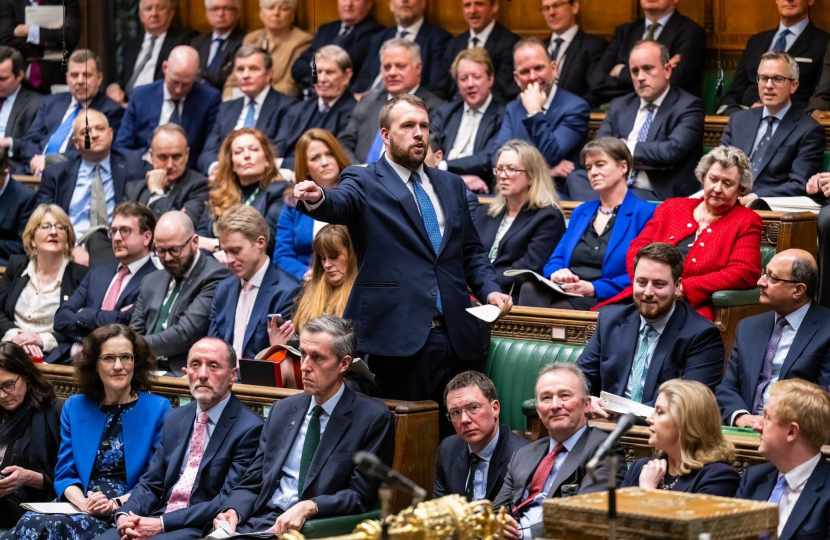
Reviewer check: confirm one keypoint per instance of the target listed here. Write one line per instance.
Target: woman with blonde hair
(692, 455)
(523, 224)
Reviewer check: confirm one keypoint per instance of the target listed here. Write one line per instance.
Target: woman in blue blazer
(693, 456)
(319, 158)
(590, 258)
(109, 432)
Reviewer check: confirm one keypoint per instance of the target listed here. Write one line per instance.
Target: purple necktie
(766, 373)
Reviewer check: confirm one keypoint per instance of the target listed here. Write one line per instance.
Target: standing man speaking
(417, 252)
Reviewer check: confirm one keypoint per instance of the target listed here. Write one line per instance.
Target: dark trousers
(259, 523)
(181, 534)
(10, 511)
(824, 256)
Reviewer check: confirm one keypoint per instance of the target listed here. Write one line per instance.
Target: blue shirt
(483, 468)
(795, 31)
(81, 202)
(6, 111)
(657, 328)
(762, 128)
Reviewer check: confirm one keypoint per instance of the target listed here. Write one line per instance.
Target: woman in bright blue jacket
(320, 158)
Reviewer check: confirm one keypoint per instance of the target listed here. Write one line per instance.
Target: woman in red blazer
(719, 238)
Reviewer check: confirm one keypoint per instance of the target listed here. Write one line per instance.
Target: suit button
(694, 260)
(433, 292)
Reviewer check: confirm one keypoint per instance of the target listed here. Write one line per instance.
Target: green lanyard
(250, 200)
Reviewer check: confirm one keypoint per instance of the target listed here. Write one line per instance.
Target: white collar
(548, 101)
(215, 412)
(192, 266)
(570, 442)
(403, 172)
(658, 101)
(568, 35)
(224, 36)
(256, 279)
(413, 29)
(259, 99)
(159, 39)
(483, 108)
(488, 451)
(484, 34)
(798, 476)
(795, 318)
(30, 271)
(390, 96)
(135, 266)
(329, 104)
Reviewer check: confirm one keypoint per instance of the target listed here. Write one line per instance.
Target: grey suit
(23, 112)
(188, 320)
(359, 134)
(571, 479)
(189, 192)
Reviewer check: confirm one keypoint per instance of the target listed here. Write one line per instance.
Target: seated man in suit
(173, 306)
(51, 130)
(796, 35)
(257, 289)
(484, 31)
(170, 185)
(145, 54)
(551, 118)
(217, 49)
(413, 27)
(206, 447)
(177, 99)
(785, 145)
(332, 109)
(555, 465)
(819, 187)
(260, 107)
(662, 126)
(16, 205)
(108, 293)
(466, 129)
(73, 185)
(18, 106)
(684, 38)
(472, 463)
(575, 52)
(401, 71)
(637, 348)
(787, 343)
(292, 478)
(797, 478)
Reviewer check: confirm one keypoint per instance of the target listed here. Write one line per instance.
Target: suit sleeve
(126, 132)
(506, 495)
(71, 31)
(601, 79)
(210, 152)
(364, 79)
(686, 135)
(726, 136)
(807, 162)
(704, 358)
(138, 321)
(350, 134)
(66, 474)
(588, 361)
(301, 69)
(608, 126)
(243, 495)
(719, 479)
(599, 482)
(505, 133)
(9, 247)
(692, 51)
(343, 204)
(821, 97)
(545, 240)
(147, 493)
(556, 144)
(67, 315)
(8, 22)
(33, 140)
(47, 192)
(439, 488)
(6, 320)
(744, 491)
(728, 392)
(284, 254)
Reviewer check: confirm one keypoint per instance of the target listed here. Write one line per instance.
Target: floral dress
(109, 476)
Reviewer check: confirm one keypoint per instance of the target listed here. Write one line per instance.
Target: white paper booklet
(621, 405)
(52, 508)
(549, 283)
(45, 16)
(792, 204)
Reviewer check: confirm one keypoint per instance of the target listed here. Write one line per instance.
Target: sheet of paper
(547, 282)
(792, 204)
(52, 508)
(621, 405)
(45, 16)
(488, 313)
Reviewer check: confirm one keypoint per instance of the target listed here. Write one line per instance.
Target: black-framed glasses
(511, 172)
(123, 231)
(173, 251)
(471, 410)
(777, 80)
(127, 359)
(556, 5)
(47, 227)
(8, 386)
(773, 279)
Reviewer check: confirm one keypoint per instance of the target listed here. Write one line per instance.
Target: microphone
(313, 70)
(371, 465)
(623, 425)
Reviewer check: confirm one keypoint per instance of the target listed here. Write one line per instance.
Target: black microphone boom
(373, 466)
(625, 423)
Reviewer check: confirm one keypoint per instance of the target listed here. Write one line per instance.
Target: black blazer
(795, 153)
(526, 245)
(681, 35)
(12, 284)
(13, 12)
(690, 348)
(226, 53)
(716, 478)
(190, 191)
(444, 126)
(22, 115)
(581, 59)
(809, 47)
(274, 108)
(453, 464)
(176, 35)
(499, 45)
(16, 205)
(674, 144)
(808, 358)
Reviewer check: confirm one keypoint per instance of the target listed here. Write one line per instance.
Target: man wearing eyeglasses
(789, 342)
(784, 144)
(173, 307)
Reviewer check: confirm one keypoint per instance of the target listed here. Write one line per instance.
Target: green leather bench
(710, 84)
(335, 526)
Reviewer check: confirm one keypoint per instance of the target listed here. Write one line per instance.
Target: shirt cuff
(315, 206)
(11, 334)
(154, 198)
(49, 341)
(34, 34)
(735, 416)
(631, 146)
(11, 146)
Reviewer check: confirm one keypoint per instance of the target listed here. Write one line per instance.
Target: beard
(181, 269)
(410, 157)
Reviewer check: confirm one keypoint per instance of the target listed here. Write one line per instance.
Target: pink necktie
(242, 315)
(115, 290)
(180, 496)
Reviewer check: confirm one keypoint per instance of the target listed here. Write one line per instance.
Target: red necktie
(537, 484)
(115, 290)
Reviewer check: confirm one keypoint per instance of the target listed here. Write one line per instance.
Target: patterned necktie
(376, 150)
(98, 215)
(250, 118)
(642, 135)
(60, 134)
(115, 290)
(537, 484)
(180, 495)
(758, 154)
(312, 441)
(242, 315)
(430, 222)
(214, 63)
(640, 367)
(556, 47)
(781, 42)
(778, 491)
(652, 29)
(469, 489)
(766, 371)
(165, 309)
(174, 116)
(141, 65)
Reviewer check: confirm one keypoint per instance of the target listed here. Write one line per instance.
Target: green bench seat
(725, 299)
(335, 526)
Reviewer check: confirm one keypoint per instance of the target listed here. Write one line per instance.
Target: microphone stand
(611, 460)
(385, 495)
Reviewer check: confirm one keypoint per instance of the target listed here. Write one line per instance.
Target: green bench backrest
(710, 84)
(767, 253)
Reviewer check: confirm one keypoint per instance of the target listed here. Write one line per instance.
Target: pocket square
(804, 60)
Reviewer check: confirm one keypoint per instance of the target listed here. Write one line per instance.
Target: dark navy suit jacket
(580, 61)
(176, 35)
(559, 134)
(810, 517)
(808, 357)
(357, 422)
(276, 295)
(227, 456)
(82, 313)
(21, 117)
(202, 45)
(795, 153)
(499, 46)
(142, 117)
(399, 275)
(690, 348)
(16, 205)
(715, 478)
(453, 464)
(270, 118)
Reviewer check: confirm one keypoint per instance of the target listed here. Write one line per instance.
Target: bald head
(95, 117)
(181, 70)
(790, 281)
(100, 135)
(174, 225)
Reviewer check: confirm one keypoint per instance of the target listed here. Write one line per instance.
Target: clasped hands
(133, 527)
(291, 520)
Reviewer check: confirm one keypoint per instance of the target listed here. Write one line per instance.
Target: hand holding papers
(555, 286)
(490, 313)
(621, 405)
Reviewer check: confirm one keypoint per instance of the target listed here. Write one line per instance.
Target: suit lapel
(442, 191)
(266, 114)
(664, 344)
(258, 312)
(234, 110)
(788, 124)
(119, 175)
(628, 115)
(758, 350)
(453, 125)
(662, 112)
(629, 337)
(807, 500)
(523, 218)
(336, 426)
(99, 292)
(284, 430)
(496, 462)
(489, 231)
(525, 475)
(572, 461)
(622, 222)
(181, 450)
(393, 183)
(65, 195)
(19, 104)
(460, 469)
(484, 128)
(230, 310)
(804, 335)
(308, 112)
(743, 137)
(801, 46)
(217, 438)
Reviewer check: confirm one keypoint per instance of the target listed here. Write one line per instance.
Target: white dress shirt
(134, 267)
(657, 328)
(662, 21)
(404, 173)
(794, 485)
(80, 204)
(641, 180)
(465, 138)
(258, 102)
(167, 106)
(482, 470)
(256, 283)
(481, 36)
(548, 101)
(795, 31)
(567, 37)
(147, 75)
(214, 45)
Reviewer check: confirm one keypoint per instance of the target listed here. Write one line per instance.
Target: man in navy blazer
(416, 259)
(332, 109)
(257, 289)
(16, 205)
(797, 478)
(187, 481)
(782, 164)
(18, 108)
(638, 347)
(218, 47)
(109, 291)
(764, 353)
(329, 422)
(161, 102)
(260, 107)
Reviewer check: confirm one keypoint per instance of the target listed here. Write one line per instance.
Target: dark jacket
(226, 53)
(21, 117)
(499, 46)
(13, 12)
(16, 205)
(189, 192)
(715, 478)
(176, 35)
(581, 59)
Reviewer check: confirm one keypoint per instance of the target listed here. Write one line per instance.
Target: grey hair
(665, 55)
(805, 271)
(413, 48)
(793, 71)
(727, 156)
(570, 368)
(341, 330)
(236, 3)
(82, 56)
(335, 53)
(291, 3)
(230, 353)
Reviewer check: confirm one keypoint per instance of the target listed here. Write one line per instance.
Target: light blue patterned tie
(60, 134)
(376, 149)
(430, 221)
(250, 121)
(642, 136)
(640, 367)
(778, 492)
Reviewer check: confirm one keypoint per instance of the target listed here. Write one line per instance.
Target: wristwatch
(118, 502)
(316, 510)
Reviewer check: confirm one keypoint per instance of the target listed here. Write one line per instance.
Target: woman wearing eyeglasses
(522, 226)
(109, 432)
(29, 434)
(36, 284)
